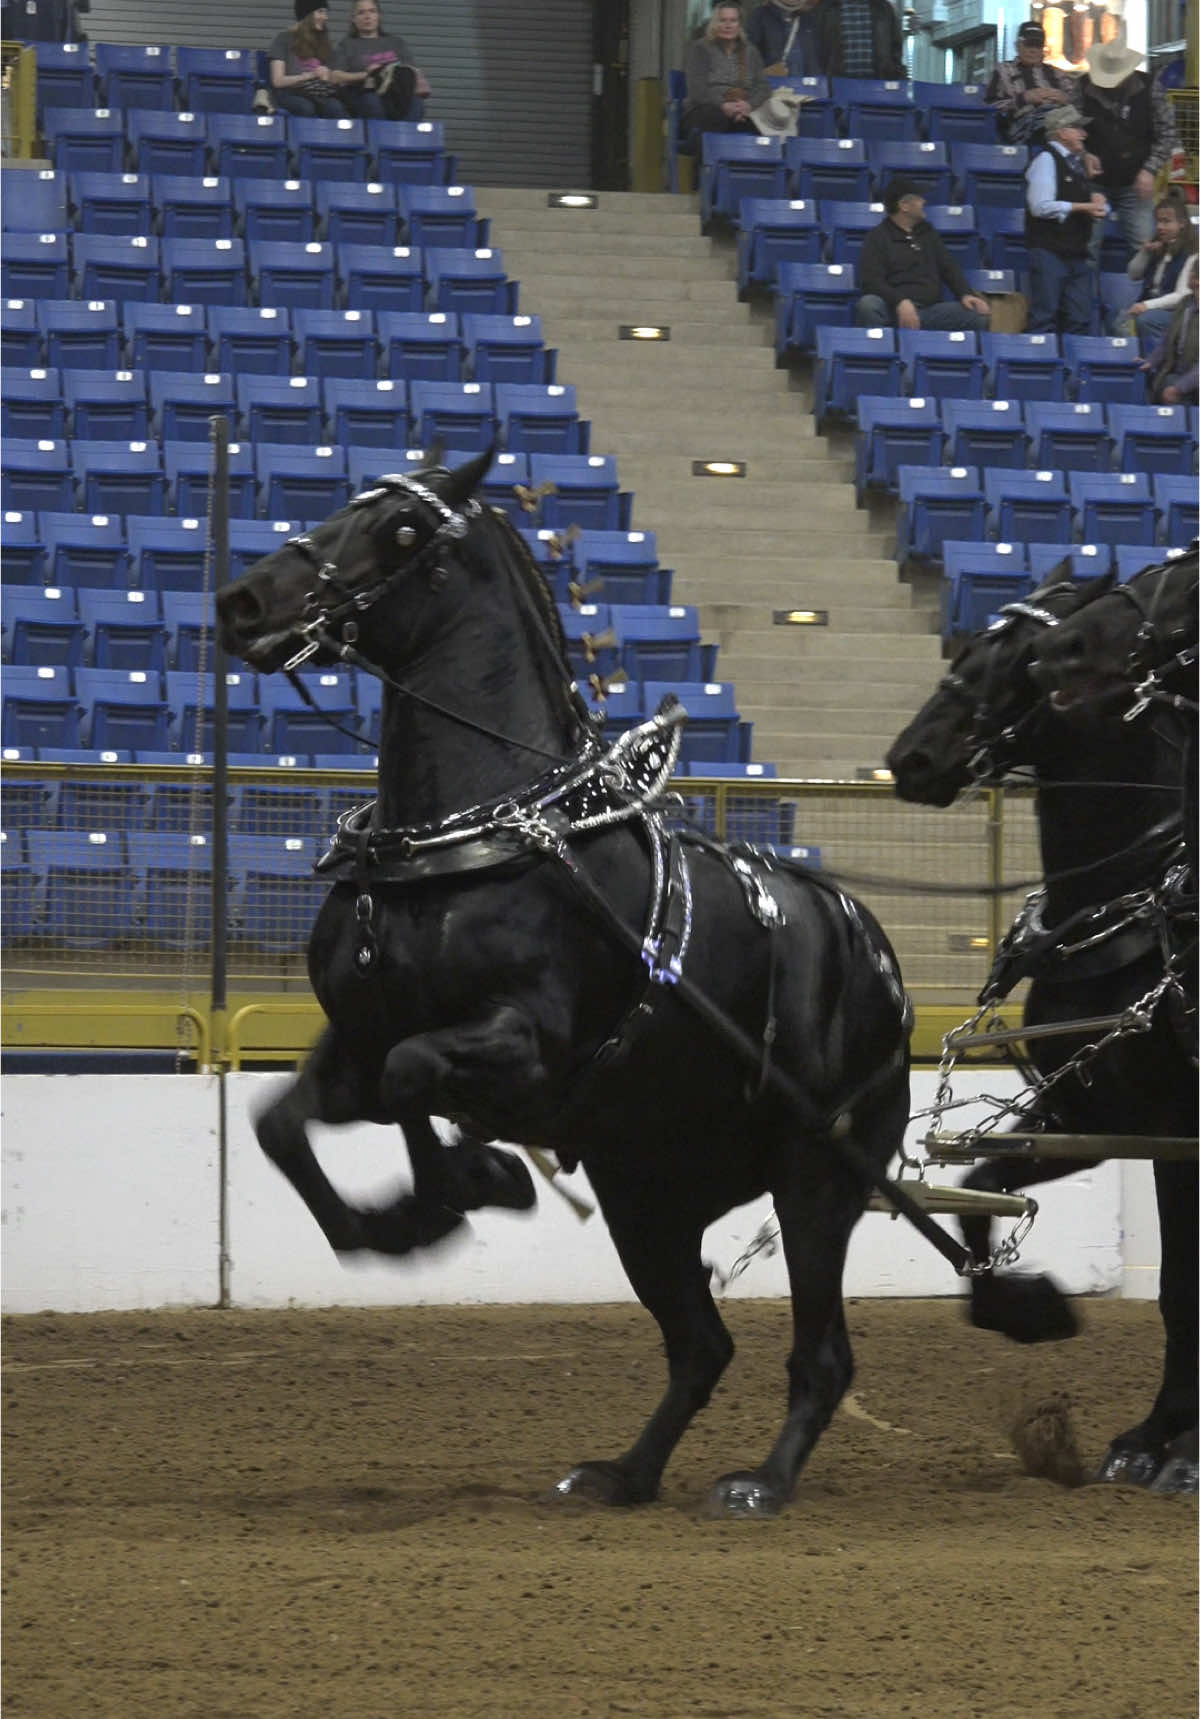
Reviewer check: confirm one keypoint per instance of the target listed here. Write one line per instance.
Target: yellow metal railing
(18, 75)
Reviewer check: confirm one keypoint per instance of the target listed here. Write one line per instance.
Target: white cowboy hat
(777, 115)
(1110, 64)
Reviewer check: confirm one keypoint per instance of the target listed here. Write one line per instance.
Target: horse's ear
(460, 485)
(1090, 589)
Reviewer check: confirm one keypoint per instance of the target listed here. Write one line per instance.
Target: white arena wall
(112, 1196)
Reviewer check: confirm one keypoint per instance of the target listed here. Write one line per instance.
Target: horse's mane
(535, 583)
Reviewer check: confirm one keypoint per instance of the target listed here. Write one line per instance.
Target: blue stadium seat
(280, 409)
(985, 433)
(188, 466)
(539, 419)
(1030, 506)
(175, 143)
(818, 117)
(182, 806)
(421, 345)
(275, 894)
(506, 472)
(381, 277)
(18, 913)
(506, 349)
(357, 214)
(80, 335)
(113, 203)
(554, 553)
(1025, 366)
(714, 729)
(85, 549)
(173, 885)
(84, 140)
(292, 726)
(215, 80)
(84, 890)
(123, 708)
(190, 208)
(1113, 507)
(335, 342)
(107, 404)
(35, 265)
(248, 145)
(977, 579)
(31, 404)
(807, 295)
(877, 108)
(275, 209)
(827, 167)
(847, 225)
(183, 401)
(117, 266)
(168, 554)
(469, 281)
(251, 539)
(164, 336)
(41, 625)
(124, 628)
(1003, 230)
(119, 476)
(957, 229)
(893, 433)
(39, 706)
(136, 76)
(188, 628)
(1105, 368)
(851, 362)
(622, 710)
(328, 148)
(774, 230)
(938, 504)
(264, 809)
(1085, 560)
(205, 271)
(251, 340)
(748, 817)
(455, 414)
(36, 474)
(300, 483)
(366, 414)
(296, 276)
(585, 491)
(1133, 558)
(368, 699)
(20, 336)
(439, 215)
(64, 76)
(367, 464)
(992, 280)
(591, 645)
(1069, 435)
(944, 363)
(1152, 439)
(955, 113)
(660, 644)
(24, 551)
(989, 173)
(412, 151)
(1117, 293)
(626, 562)
(925, 163)
(191, 698)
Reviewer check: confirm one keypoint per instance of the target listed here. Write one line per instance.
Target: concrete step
(631, 300)
(550, 266)
(570, 228)
(877, 612)
(553, 247)
(690, 325)
(780, 579)
(805, 509)
(623, 203)
(659, 362)
(792, 654)
(664, 442)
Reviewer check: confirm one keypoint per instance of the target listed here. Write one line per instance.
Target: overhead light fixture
(643, 331)
(963, 943)
(874, 773)
(718, 468)
(572, 200)
(801, 617)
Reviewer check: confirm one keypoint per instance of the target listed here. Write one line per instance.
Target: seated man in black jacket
(903, 266)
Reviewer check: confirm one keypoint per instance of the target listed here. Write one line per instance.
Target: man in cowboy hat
(1061, 209)
(1020, 90)
(1131, 128)
(903, 266)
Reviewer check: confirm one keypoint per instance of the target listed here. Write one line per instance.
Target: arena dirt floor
(343, 1515)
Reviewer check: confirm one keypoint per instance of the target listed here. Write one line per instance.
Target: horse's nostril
(240, 608)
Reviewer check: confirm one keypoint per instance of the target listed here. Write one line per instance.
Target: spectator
(1020, 90)
(1061, 209)
(1131, 128)
(725, 80)
(302, 77)
(785, 34)
(1173, 363)
(1166, 264)
(860, 39)
(375, 72)
(903, 266)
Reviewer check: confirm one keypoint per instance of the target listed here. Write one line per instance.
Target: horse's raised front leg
(1027, 1306)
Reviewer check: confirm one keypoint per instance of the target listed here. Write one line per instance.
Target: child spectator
(302, 76)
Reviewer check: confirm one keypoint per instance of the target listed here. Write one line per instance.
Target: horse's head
(1108, 646)
(982, 718)
(336, 585)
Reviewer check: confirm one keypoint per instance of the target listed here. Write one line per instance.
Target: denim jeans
(1134, 216)
(1062, 294)
(323, 106)
(873, 312)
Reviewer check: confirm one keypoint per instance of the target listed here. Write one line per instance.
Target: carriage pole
(218, 525)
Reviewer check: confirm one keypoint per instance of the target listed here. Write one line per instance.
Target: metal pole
(218, 525)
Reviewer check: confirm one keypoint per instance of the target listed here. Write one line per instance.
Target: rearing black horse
(1108, 928)
(505, 943)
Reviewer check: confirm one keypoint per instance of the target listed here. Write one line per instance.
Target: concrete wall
(112, 1187)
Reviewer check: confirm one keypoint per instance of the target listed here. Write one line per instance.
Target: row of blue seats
(337, 401)
(961, 503)
(420, 345)
(288, 481)
(276, 273)
(1075, 436)
(175, 206)
(146, 75)
(233, 145)
(979, 577)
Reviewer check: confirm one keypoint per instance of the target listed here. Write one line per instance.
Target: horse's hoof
(1129, 1465)
(1026, 1309)
(601, 1483)
(485, 1176)
(1178, 1473)
(744, 1495)
(408, 1223)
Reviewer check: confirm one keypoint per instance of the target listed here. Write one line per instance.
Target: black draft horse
(1108, 927)
(474, 960)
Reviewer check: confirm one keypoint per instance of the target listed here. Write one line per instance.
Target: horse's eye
(406, 537)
